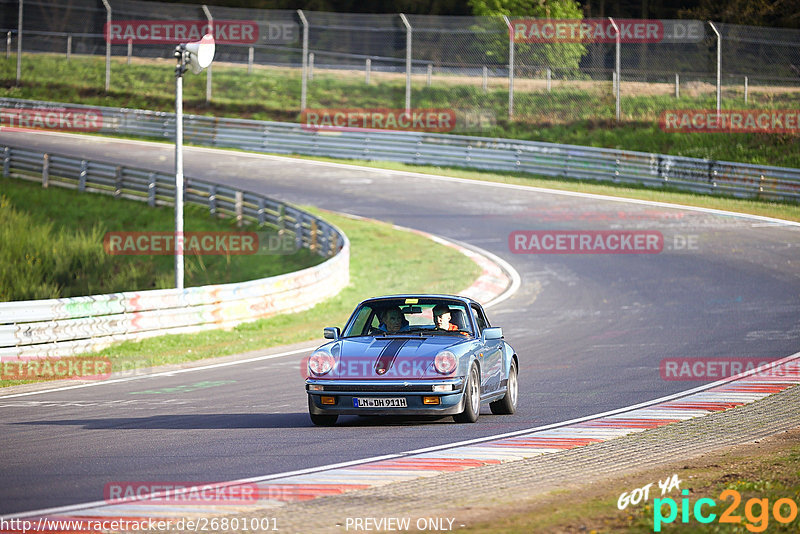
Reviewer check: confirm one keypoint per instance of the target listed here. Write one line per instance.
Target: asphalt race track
(590, 330)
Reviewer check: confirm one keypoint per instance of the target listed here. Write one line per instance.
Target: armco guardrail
(61, 327)
(546, 159)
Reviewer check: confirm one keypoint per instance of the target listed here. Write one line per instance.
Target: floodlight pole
(180, 54)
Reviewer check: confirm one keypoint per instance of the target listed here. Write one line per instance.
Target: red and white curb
(277, 490)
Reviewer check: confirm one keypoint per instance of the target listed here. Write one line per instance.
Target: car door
(492, 359)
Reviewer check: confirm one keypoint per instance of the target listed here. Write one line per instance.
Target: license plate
(379, 402)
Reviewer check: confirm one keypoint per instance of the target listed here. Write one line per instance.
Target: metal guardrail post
(6, 162)
(82, 176)
(304, 75)
(367, 68)
(262, 216)
(45, 171)
(108, 44)
(510, 67)
(118, 181)
(719, 64)
(152, 189)
(408, 61)
(238, 207)
(212, 199)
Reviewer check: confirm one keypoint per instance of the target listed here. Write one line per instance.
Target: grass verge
(51, 246)
(383, 260)
(766, 471)
(574, 113)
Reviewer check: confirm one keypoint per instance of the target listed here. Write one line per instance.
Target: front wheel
(508, 404)
(472, 398)
(321, 419)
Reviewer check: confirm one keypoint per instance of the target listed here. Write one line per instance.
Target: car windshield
(409, 316)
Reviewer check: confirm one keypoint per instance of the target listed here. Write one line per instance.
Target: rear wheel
(321, 419)
(472, 398)
(508, 404)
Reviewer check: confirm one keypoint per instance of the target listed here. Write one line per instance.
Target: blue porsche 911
(413, 355)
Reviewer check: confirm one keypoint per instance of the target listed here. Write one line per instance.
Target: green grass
(51, 246)
(383, 260)
(572, 113)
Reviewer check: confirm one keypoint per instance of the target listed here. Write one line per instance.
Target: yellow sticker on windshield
(412, 301)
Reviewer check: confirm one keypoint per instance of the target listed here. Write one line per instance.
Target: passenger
(393, 321)
(441, 318)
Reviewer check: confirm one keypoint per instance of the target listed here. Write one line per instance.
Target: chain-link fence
(537, 71)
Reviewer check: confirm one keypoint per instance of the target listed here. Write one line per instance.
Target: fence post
(82, 176)
(430, 73)
(304, 76)
(367, 68)
(719, 63)
(8, 45)
(45, 171)
(311, 65)
(485, 79)
(510, 67)
(19, 43)
(408, 61)
(677, 85)
(69, 45)
(108, 44)
(549, 78)
(745, 90)
(130, 50)
(618, 76)
(250, 54)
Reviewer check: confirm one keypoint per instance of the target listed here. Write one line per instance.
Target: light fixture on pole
(198, 55)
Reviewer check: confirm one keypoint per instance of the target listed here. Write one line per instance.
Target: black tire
(472, 398)
(321, 419)
(508, 404)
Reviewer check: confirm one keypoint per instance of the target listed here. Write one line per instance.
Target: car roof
(465, 300)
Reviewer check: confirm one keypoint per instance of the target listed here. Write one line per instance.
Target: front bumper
(450, 402)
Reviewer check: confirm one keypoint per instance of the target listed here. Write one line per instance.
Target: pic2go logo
(756, 511)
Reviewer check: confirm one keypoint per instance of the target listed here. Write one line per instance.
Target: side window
(360, 322)
(480, 318)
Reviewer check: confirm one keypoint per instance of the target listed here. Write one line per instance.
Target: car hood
(391, 357)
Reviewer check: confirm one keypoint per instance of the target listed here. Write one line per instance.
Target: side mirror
(331, 332)
(492, 333)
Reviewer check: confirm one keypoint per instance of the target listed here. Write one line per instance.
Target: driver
(441, 318)
(393, 321)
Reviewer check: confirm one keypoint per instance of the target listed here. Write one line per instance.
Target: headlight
(320, 363)
(445, 362)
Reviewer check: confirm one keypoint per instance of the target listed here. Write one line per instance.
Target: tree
(562, 57)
